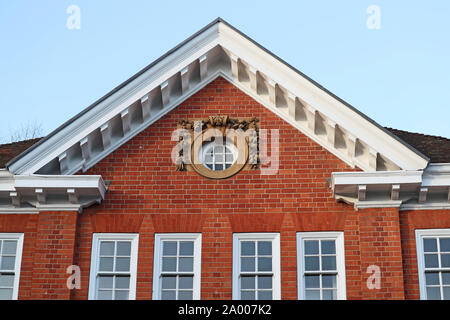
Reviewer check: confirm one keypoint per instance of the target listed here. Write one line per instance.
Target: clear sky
(399, 75)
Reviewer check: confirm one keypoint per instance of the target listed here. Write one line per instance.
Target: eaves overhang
(407, 190)
(35, 193)
(218, 50)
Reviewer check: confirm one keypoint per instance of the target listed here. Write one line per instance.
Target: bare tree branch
(26, 131)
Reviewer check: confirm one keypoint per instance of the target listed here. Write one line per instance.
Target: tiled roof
(10, 150)
(436, 148)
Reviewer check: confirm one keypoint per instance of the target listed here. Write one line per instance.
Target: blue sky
(398, 75)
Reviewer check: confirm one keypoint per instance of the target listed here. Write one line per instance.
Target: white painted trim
(378, 177)
(18, 211)
(340, 260)
(378, 204)
(18, 263)
(96, 238)
(276, 269)
(265, 63)
(420, 234)
(157, 264)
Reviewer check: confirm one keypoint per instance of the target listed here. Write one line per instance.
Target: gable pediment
(218, 50)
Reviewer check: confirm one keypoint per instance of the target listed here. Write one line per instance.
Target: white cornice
(409, 190)
(34, 193)
(206, 56)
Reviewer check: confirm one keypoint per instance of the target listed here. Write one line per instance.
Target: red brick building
(294, 195)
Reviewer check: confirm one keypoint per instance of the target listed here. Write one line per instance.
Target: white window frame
(420, 234)
(95, 261)
(18, 263)
(338, 236)
(157, 265)
(276, 270)
(210, 145)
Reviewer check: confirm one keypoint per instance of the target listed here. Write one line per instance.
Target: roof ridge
(418, 133)
(14, 142)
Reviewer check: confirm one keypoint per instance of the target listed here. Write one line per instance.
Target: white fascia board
(378, 177)
(331, 107)
(436, 175)
(229, 39)
(116, 103)
(378, 204)
(54, 181)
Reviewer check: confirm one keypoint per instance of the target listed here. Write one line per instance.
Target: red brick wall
(410, 221)
(27, 224)
(148, 196)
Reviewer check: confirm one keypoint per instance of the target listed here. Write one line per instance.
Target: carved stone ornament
(242, 132)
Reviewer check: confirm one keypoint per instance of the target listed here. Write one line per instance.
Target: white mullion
(177, 261)
(256, 269)
(320, 269)
(441, 289)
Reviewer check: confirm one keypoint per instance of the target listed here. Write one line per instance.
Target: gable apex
(217, 50)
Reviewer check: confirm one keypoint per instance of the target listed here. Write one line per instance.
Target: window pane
(219, 167)
(432, 278)
(122, 282)
(247, 295)
(446, 293)
(9, 247)
(219, 158)
(8, 263)
(312, 247)
(122, 264)
(328, 246)
(247, 248)
(6, 280)
(6, 294)
(229, 158)
(105, 282)
(329, 295)
(186, 264)
(168, 295)
(104, 295)
(121, 295)
(169, 248)
(312, 295)
(445, 260)
(429, 245)
(107, 248)
(106, 264)
(265, 248)
(329, 263)
(445, 278)
(264, 282)
(264, 295)
(328, 281)
(311, 263)
(248, 282)
(247, 264)
(312, 281)
(168, 282)
(124, 248)
(431, 261)
(264, 264)
(1, 246)
(169, 264)
(433, 293)
(186, 248)
(185, 295)
(444, 244)
(186, 282)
